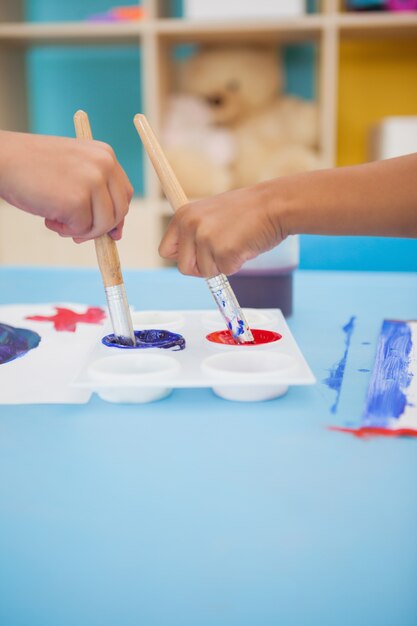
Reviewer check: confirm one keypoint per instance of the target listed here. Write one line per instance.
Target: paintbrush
(109, 264)
(219, 285)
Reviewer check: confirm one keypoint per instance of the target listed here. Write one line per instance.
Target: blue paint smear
(386, 398)
(15, 342)
(336, 373)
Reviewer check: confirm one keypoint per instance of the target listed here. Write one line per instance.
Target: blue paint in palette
(336, 373)
(15, 342)
(390, 378)
(152, 338)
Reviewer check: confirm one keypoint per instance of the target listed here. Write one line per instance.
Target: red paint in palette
(66, 319)
(261, 337)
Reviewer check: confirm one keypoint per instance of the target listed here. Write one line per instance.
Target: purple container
(264, 289)
(401, 5)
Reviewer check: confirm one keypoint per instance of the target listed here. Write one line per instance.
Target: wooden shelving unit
(156, 36)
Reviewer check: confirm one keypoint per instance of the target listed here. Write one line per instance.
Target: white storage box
(393, 137)
(236, 9)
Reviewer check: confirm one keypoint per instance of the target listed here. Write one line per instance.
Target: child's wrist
(3, 150)
(282, 206)
(4, 160)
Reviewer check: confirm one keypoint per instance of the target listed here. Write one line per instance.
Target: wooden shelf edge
(24, 33)
(374, 24)
(180, 29)
(35, 33)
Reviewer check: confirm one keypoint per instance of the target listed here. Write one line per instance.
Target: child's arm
(77, 186)
(218, 234)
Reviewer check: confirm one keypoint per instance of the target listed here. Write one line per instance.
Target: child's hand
(217, 235)
(76, 185)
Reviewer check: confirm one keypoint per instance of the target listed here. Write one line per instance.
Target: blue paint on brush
(336, 373)
(386, 398)
(15, 342)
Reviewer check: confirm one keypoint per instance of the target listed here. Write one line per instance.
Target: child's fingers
(205, 261)
(119, 188)
(117, 232)
(168, 248)
(104, 213)
(125, 182)
(58, 227)
(187, 260)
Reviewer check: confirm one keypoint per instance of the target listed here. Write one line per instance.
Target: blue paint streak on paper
(335, 378)
(15, 342)
(386, 398)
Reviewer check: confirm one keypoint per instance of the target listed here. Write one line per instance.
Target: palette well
(232, 371)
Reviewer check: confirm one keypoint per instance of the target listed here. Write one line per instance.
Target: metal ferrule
(229, 308)
(120, 314)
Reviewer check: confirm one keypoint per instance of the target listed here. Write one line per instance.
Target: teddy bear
(229, 125)
(200, 152)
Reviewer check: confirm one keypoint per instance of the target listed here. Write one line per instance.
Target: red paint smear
(225, 337)
(366, 432)
(65, 319)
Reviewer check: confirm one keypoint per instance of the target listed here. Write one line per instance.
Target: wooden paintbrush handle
(106, 249)
(219, 285)
(170, 184)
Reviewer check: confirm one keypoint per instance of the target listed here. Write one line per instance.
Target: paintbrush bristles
(170, 184)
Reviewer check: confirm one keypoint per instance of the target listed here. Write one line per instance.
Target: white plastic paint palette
(234, 372)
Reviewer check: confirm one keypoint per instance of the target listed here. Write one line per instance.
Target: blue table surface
(198, 511)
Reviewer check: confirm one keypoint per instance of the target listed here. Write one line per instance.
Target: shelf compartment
(36, 245)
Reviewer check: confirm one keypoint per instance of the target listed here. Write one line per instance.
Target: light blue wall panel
(300, 62)
(68, 10)
(104, 81)
(358, 253)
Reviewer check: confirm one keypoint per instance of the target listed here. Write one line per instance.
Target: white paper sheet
(43, 374)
